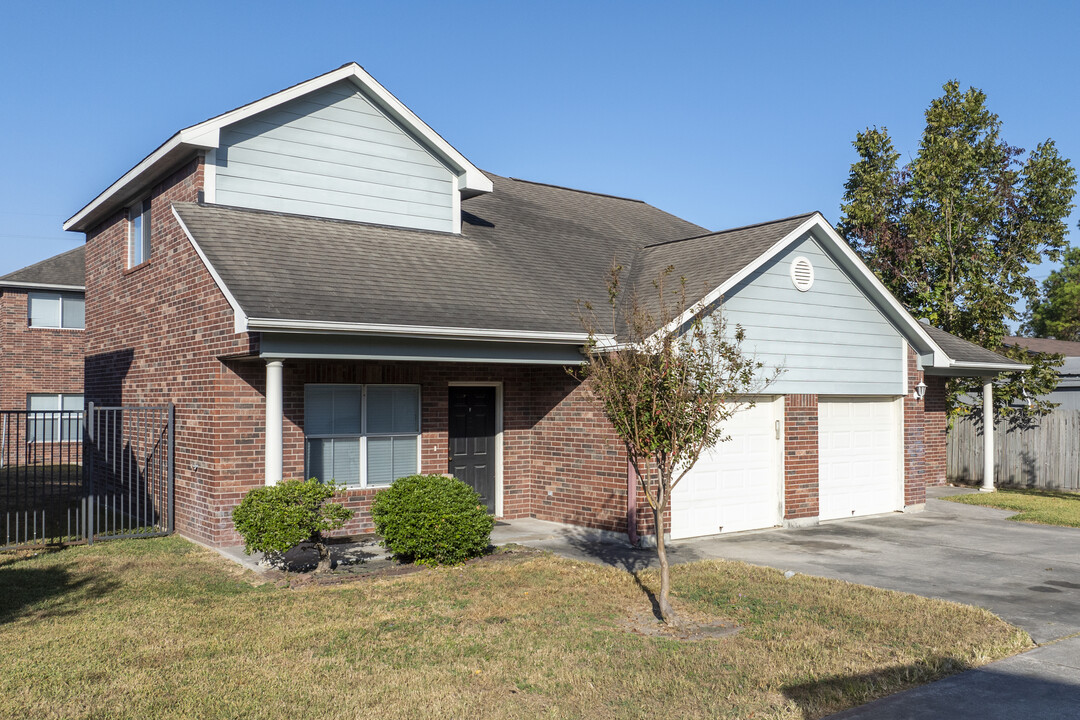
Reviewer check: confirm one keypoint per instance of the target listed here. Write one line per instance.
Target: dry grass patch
(1045, 507)
(164, 629)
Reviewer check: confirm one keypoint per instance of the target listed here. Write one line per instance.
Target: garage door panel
(734, 485)
(859, 442)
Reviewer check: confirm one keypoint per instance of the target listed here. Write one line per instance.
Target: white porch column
(274, 411)
(988, 435)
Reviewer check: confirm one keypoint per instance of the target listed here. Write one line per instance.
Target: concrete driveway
(1027, 574)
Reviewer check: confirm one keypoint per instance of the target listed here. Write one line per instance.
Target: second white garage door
(736, 485)
(859, 455)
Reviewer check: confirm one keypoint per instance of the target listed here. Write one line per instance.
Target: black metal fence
(72, 476)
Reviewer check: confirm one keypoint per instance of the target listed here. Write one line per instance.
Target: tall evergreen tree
(954, 233)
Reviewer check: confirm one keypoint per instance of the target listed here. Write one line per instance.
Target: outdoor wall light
(920, 391)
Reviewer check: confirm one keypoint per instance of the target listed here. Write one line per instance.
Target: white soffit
(207, 136)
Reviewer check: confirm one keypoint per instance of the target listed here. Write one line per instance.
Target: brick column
(915, 457)
(800, 459)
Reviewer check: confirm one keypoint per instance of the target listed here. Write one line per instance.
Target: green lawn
(164, 629)
(1046, 507)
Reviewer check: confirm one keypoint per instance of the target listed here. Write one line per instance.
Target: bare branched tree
(669, 378)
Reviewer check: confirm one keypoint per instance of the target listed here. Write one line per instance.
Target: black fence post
(88, 468)
(170, 458)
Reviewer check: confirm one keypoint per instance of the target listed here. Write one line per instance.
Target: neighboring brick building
(325, 287)
(41, 349)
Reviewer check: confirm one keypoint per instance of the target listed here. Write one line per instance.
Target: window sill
(61, 329)
(137, 268)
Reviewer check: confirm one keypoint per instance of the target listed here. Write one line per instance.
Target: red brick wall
(35, 360)
(800, 456)
(154, 334)
(935, 425)
(914, 437)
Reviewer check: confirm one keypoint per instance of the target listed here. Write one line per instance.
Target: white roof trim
(207, 135)
(328, 326)
(1003, 367)
(41, 286)
(240, 318)
(940, 359)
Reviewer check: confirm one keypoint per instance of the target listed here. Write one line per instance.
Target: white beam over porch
(988, 435)
(275, 410)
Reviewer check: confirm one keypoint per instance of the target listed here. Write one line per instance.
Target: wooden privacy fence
(1046, 455)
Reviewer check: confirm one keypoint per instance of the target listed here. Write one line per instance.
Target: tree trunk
(324, 554)
(663, 602)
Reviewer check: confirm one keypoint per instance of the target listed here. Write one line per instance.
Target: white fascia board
(240, 318)
(41, 286)
(940, 359)
(207, 136)
(999, 367)
(345, 328)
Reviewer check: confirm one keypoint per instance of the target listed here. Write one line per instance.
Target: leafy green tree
(1056, 313)
(953, 233)
(668, 390)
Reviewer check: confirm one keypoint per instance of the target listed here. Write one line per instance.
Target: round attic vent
(802, 274)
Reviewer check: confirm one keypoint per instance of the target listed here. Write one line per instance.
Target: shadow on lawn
(56, 589)
(626, 557)
(829, 695)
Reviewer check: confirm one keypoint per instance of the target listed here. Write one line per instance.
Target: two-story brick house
(41, 348)
(325, 287)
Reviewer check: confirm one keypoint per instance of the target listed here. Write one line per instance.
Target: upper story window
(57, 310)
(139, 233)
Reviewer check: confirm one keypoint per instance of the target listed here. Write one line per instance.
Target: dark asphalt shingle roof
(1045, 345)
(526, 254)
(67, 268)
(963, 351)
(704, 261)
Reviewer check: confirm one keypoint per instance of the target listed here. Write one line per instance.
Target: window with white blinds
(362, 435)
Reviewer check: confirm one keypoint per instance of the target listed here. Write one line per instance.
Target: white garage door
(859, 455)
(736, 485)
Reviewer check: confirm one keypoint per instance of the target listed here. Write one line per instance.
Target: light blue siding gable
(334, 154)
(830, 340)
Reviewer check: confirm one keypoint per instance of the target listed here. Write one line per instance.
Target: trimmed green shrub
(432, 520)
(276, 518)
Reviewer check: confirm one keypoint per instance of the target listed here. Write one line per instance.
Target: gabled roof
(66, 271)
(527, 253)
(206, 135)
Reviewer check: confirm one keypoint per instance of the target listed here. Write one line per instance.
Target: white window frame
(57, 419)
(58, 296)
(364, 434)
(140, 209)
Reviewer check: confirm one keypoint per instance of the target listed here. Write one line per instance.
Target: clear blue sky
(722, 114)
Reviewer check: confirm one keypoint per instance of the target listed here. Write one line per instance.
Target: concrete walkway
(1027, 574)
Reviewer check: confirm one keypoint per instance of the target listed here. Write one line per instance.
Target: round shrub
(432, 520)
(276, 518)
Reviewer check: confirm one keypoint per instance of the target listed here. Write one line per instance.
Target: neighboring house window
(139, 233)
(48, 425)
(57, 310)
(362, 435)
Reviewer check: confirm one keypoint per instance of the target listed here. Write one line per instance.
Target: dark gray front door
(472, 439)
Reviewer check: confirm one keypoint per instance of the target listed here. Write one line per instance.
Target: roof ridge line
(734, 229)
(577, 190)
